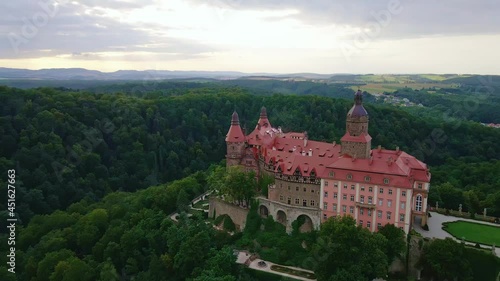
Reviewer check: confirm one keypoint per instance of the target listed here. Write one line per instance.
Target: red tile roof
(235, 134)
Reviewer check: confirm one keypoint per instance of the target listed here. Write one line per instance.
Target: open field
(376, 88)
(474, 232)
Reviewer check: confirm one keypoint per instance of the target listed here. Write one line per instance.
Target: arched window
(418, 203)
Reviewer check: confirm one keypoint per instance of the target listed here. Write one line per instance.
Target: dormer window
(349, 176)
(297, 172)
(367, 178)
(386, 181)
(331, 174)
(313, 174)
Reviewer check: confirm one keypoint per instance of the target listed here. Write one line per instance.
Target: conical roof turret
(235, 134)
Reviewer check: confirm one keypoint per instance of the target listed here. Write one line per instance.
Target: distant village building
(317, 180)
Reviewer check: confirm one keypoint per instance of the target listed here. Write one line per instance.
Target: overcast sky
(322, 36)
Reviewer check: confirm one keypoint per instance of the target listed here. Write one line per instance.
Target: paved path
(243, 256)
(194, 201)
(435, 223)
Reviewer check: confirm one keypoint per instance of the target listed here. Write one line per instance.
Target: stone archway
(305, 223)
(281, 217)
(263, 211)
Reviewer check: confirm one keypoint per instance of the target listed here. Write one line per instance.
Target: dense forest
(69, 145)
(97, 173)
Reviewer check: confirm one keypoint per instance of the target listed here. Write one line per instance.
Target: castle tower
(235, 141)
(263, 121)
(357, 142)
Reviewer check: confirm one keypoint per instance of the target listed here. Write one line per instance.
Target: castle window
(344, 197)
(335, 195)
(369, 212)
(367, 179)
(331, 174)
(362, 211)
(324, 216)
(312, 190)
(381, 191)
(381, 202)
(360, 223)
(402, 217)
(389, 203)
(352, 198)
(386, 181)
(289, 188)
(370, 189)
(345, 186)
(403, 193)
(379, 225)
(370, 200)
(312, 202)
(304, 203)
(297, 201)
(379, 214)
(334, 207)
(420, 186)
(325, 206)
(353, 186)
(388, 215)
(296, 188)
(362, 188)
(362, 199)
(326, 194)
(349, 177)
(305, 189)
(418, 203)
(403, 205)
(281, 198)
(351, 210)
(326, 183)
(344, 208)
(289, 201)
(335, 185)
(368, 224)
(390, 191)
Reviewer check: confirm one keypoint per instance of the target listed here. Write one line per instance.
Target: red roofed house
(316, 180)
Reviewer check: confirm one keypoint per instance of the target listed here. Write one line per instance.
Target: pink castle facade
(317, 180)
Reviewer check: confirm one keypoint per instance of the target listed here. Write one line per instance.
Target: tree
(344, 251)
(445, 260)
(396, 241)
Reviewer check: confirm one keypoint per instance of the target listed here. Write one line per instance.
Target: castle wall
(296, 192)
(291, 212)
(220, 207)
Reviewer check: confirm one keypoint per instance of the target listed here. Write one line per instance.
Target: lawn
(474, 232)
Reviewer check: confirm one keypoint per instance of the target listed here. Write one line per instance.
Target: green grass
(199, 204)
(474, 232)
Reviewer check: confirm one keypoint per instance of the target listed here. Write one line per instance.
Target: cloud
(33, 29)
(416, 19)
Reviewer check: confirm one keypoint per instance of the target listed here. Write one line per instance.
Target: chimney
(389, 161)
(310, 152)
(379, 148)
(334, 143)
(371, 160)
(397, 149)
(354, 158)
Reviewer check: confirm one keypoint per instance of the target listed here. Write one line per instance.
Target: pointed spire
(263, 112)
(235, 134)
(358, 97)
(235, 120)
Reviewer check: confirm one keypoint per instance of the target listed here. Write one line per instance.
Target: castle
(317, 180)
